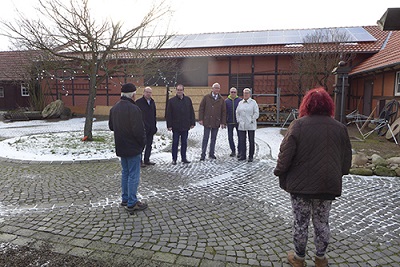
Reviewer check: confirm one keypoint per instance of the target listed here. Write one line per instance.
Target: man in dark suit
(180, 119)
(148, 107)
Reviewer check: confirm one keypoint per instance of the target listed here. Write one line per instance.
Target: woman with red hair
(314, 155)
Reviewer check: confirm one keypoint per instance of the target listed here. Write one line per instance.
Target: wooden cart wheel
(389, 114)
(395, 126)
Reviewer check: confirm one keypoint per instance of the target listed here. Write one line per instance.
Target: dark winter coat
(180, 114)
(231, 105)
(148, 114)
(127, 123)
(212, 112)
(314, 155)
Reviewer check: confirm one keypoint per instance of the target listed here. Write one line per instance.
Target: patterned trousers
(303, 209)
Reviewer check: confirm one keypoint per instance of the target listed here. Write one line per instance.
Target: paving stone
(4, 238)
(21, 241)
(211, 213)
(80, 252)
(187, 261)
(25, 232)
(102, 255)
(164, 257)
(82, 243)
(210, 263)
(61, 248)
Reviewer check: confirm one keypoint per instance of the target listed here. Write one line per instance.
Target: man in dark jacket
(232, 103)
(212, 115)
(180, 119)
(148, 107)
(129, 135)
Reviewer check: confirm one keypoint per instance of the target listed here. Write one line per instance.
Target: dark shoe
(149, 163)
(212, 157)
(174, 162)
(241, 158)
(142, 165)
(250, 160)
(294, 260)
(124, 203)
(321, 262)
(137, 207)
(232, 154)
(202, 159)
(185, 161)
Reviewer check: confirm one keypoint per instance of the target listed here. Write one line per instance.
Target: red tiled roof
(259, 50)
(14, 65)
(362, 47)
(388, 56)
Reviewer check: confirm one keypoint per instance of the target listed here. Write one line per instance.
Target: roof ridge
(267, 30)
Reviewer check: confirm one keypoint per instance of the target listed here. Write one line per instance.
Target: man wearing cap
(130, 138)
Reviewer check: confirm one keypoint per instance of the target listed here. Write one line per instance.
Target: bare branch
(68, 32)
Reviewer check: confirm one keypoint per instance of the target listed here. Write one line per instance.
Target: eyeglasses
(233, 92)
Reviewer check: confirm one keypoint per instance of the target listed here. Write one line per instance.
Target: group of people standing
(314, 154)
(132, 136)
(233, 113)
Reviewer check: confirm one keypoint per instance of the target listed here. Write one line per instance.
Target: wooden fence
(160, 98)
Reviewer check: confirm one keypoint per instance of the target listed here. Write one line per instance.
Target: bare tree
(70, 33)
(320, 53)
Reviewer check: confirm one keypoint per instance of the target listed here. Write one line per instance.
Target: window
(397, 84)
(189, 72)
(241, 81)
(24, 90)
(1, 92)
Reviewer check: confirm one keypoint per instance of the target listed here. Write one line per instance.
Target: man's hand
(201, 122)
(170, 129)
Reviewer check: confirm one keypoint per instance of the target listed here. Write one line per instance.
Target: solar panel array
(271, 37)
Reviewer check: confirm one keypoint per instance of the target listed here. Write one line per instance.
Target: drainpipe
(341, 85)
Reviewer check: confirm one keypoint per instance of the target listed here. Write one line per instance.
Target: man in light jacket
(247, 114)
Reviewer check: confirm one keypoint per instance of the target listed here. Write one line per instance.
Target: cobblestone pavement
(214, 213)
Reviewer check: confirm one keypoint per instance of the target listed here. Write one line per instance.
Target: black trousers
(242, 143)
(147, 150)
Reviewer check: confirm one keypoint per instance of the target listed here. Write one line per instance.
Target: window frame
(397, 84)
(24, 89)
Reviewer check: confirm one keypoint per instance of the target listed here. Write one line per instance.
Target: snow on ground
(40, 140)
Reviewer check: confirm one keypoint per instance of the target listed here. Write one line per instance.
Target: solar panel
(270, 37)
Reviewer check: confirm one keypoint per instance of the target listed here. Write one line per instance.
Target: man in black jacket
(129, 136)
(148, 107)
(180, 119)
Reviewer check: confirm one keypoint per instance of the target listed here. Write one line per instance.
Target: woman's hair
(317, 102)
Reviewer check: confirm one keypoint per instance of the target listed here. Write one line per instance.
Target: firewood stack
(268, 113)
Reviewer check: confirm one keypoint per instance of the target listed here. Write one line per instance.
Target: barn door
(368, 89)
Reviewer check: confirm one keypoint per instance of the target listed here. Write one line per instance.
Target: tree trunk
(87, 132)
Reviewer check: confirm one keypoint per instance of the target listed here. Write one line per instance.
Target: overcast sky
(205, 16)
